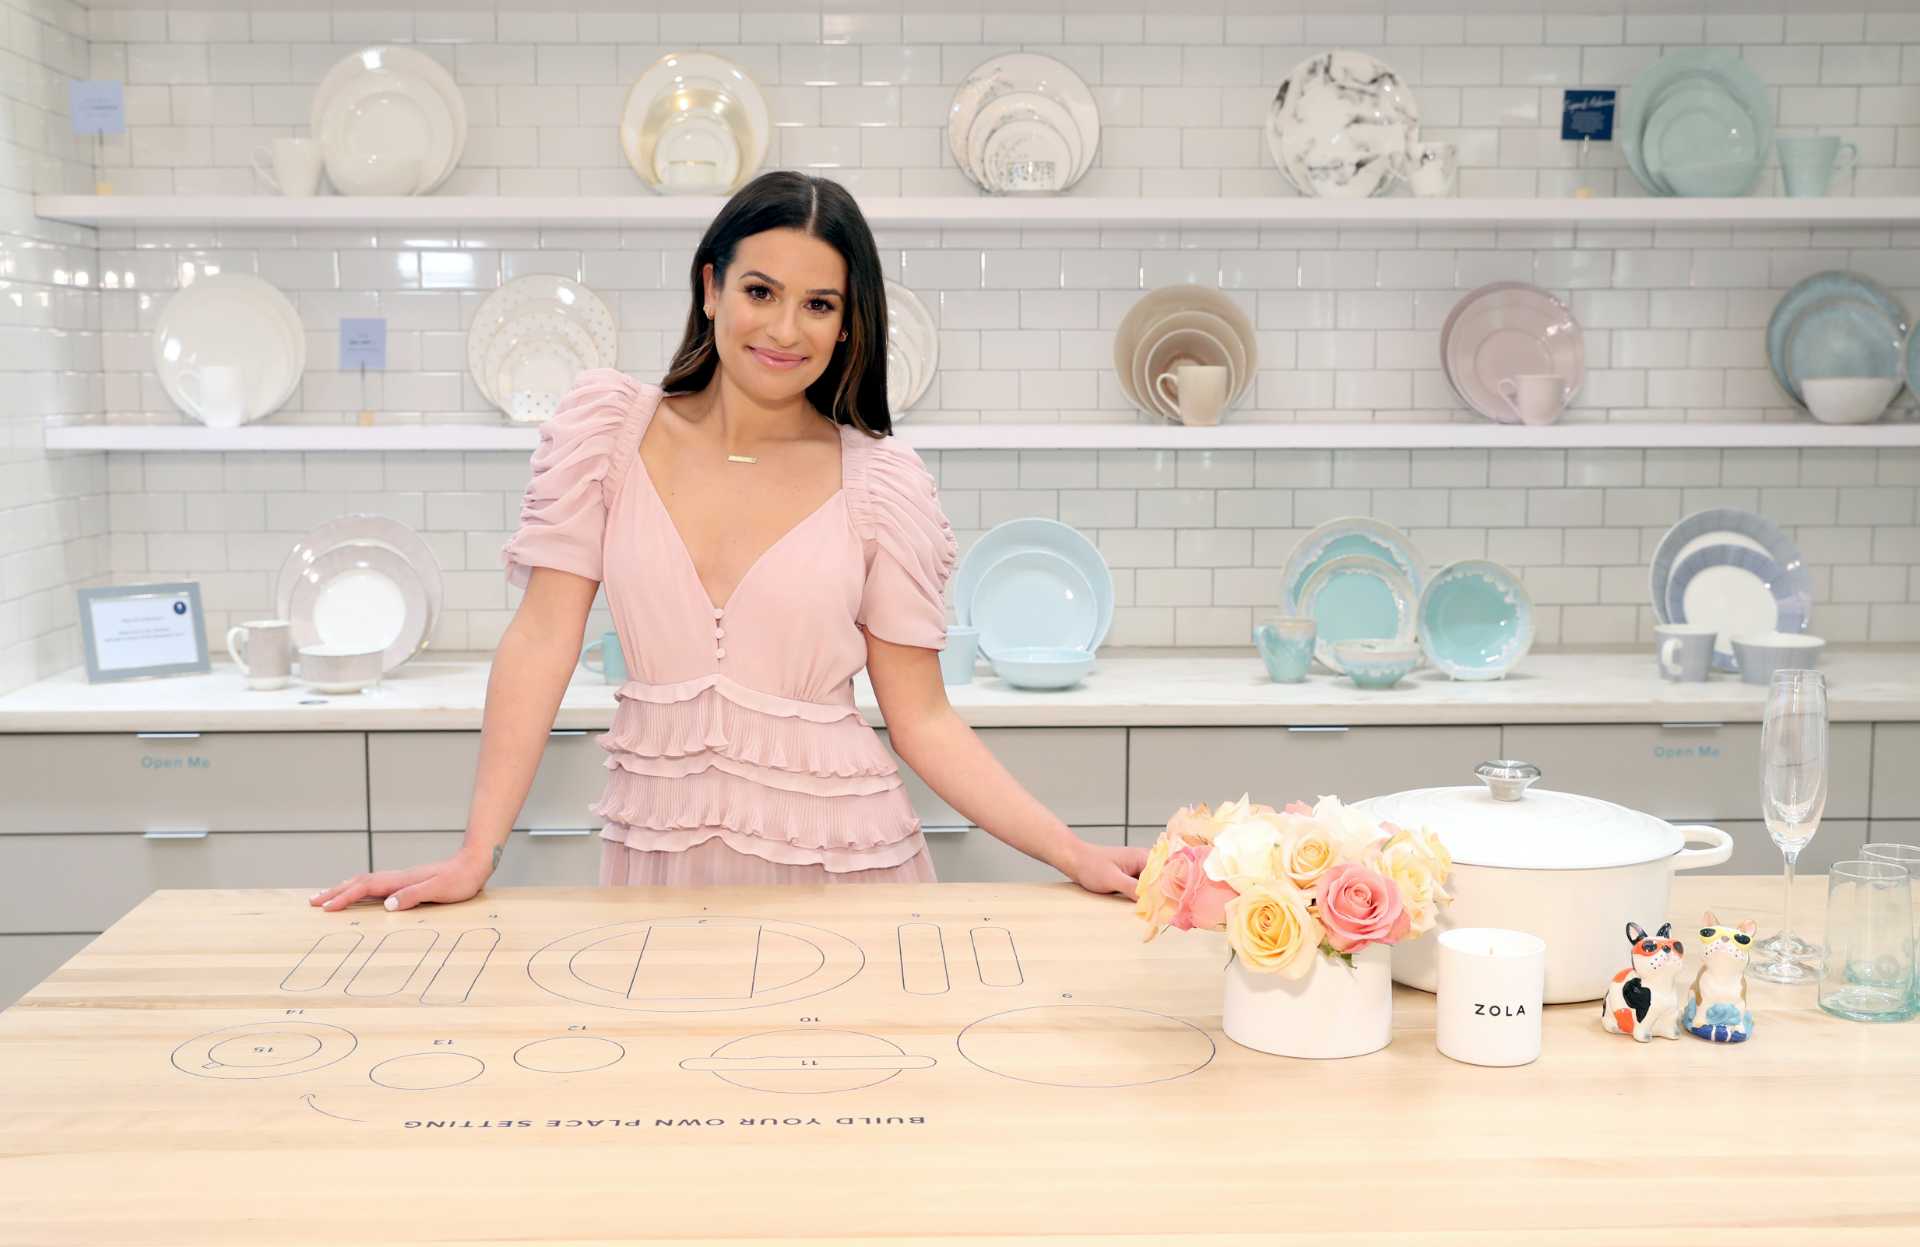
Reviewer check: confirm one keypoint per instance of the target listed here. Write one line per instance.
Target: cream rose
(1306, 852)
(1152, 907)
(1271, 929)
(1244, 852)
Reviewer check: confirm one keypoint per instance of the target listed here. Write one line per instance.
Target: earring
(843, 337)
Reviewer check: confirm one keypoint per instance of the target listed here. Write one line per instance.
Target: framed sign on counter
(134, 632)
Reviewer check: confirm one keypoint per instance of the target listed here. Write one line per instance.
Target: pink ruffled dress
(736, 754)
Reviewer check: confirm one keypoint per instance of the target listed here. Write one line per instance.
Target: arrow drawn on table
(308, 1097)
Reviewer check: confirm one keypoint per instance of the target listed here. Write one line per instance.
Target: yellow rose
(1418, 864)
(1270, 927)
(1152, 908)
(1306, 852)
(1193, 824)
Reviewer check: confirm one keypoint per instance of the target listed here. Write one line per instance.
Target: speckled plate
(528, 311)
(1342, 126)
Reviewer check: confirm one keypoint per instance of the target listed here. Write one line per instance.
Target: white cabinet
(541, 858)
(1690, 772)
(87, 882)
(27, 960)
(1896, 771)
(183, 781)
(1078, 773)
(423, 781)
(971, 855)
(1170, 767)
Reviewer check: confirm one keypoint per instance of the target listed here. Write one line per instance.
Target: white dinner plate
(362, 529)
(699, 108)
(913, 348)
(1034, 598)
(397, 64)
(236, 320)
(363, 597)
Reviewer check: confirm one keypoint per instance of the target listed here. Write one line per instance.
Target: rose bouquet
(1287, 885)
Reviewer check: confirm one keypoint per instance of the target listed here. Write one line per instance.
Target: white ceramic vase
(1331, 1011)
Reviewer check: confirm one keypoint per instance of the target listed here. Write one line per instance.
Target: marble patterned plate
(913, 348)
(1348, 536)
(1476, 620)
(1342, 125)
(1358, 597)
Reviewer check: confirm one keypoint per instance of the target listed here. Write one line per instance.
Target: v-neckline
(686, 552)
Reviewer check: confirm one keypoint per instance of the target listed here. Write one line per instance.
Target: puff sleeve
(577, 468)
(908, 546)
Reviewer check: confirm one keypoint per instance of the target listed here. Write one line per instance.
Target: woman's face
(778, 313)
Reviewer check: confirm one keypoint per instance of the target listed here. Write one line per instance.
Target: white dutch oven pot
(1572, 870)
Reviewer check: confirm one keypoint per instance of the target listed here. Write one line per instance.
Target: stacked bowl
(1179, 332)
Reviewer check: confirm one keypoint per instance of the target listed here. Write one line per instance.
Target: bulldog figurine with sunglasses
(1716, 1008)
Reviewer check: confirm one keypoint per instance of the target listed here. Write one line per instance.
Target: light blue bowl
(1043, 666)
(1374, 663)
(1476, 620)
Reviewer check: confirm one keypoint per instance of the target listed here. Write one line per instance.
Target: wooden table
(877, 1064)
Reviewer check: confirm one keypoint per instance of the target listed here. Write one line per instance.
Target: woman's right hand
(457, 878)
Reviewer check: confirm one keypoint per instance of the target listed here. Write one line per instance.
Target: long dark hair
(853, 389)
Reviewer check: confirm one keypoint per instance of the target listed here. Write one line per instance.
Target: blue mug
(1286, 646)
(613, 665)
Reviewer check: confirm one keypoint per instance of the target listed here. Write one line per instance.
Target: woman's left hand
(1104, 868)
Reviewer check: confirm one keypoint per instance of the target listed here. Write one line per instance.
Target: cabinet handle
(167, 735)
(568, 731)
(176, 835)
(1316, 729)
(560, 831)
(1691, 727)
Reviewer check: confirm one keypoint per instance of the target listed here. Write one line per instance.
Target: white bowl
(1848, 400)
(1043, 666)
(1760, 654)
(340, 668)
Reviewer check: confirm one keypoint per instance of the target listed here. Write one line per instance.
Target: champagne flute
(1793, 793)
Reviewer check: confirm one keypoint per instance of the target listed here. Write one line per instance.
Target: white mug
(1488, 995)
(1436, 169)
(218, 393)
(1536, 397)
(268, 651)
(1196, 391)
(295, 165)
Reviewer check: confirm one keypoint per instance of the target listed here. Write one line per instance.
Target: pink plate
(1504, 330)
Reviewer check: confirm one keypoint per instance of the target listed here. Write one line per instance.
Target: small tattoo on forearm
(498, 849)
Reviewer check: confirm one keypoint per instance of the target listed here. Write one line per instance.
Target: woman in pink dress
(760, 538)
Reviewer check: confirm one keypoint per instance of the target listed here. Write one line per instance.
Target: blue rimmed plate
(1354, 598)
(1738, 590)
(1033, 599)
(1719, 526)
(1475, 620)
(1034, 533)
(1821, 286)
(1344, 537)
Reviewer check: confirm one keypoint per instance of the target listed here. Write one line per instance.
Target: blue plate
(1034, 533)
(1843, 337)
(1033, 598)
(1343, 538)
(1476, 620)
(1354, 598)
(1738, 590)
(1721, 68)
(1827, 285)
(1705, 528)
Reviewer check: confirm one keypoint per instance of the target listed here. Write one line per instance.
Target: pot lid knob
(1507, 779)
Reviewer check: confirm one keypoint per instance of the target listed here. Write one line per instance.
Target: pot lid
(1504, 821)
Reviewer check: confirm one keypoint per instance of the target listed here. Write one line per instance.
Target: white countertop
(1126, 688)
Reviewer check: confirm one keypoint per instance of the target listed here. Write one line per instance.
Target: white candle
(1488, 999)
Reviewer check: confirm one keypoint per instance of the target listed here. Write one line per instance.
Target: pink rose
(1358, 907)
(1298, 807)
(1197, 901)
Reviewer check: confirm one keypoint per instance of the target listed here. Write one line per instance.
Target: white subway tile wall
(1347, 319)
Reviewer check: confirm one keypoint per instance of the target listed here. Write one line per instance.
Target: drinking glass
(1907, 855)
(1793, 795)
(1867, 975)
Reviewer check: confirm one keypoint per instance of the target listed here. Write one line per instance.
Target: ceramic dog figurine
(1716, 1007)
(1644, 1001)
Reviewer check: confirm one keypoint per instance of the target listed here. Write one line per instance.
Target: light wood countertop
(235, 1067)
(1126, 688)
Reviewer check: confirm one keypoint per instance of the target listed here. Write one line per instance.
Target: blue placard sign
(363, 342)
(98, 107)
(1587, 114)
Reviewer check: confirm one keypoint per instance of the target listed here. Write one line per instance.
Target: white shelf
(1114, 436)
(1062, 212)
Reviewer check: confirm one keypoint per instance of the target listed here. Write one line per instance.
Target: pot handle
(1719, 847)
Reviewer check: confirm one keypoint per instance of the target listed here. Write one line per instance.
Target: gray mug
(1684, 652)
